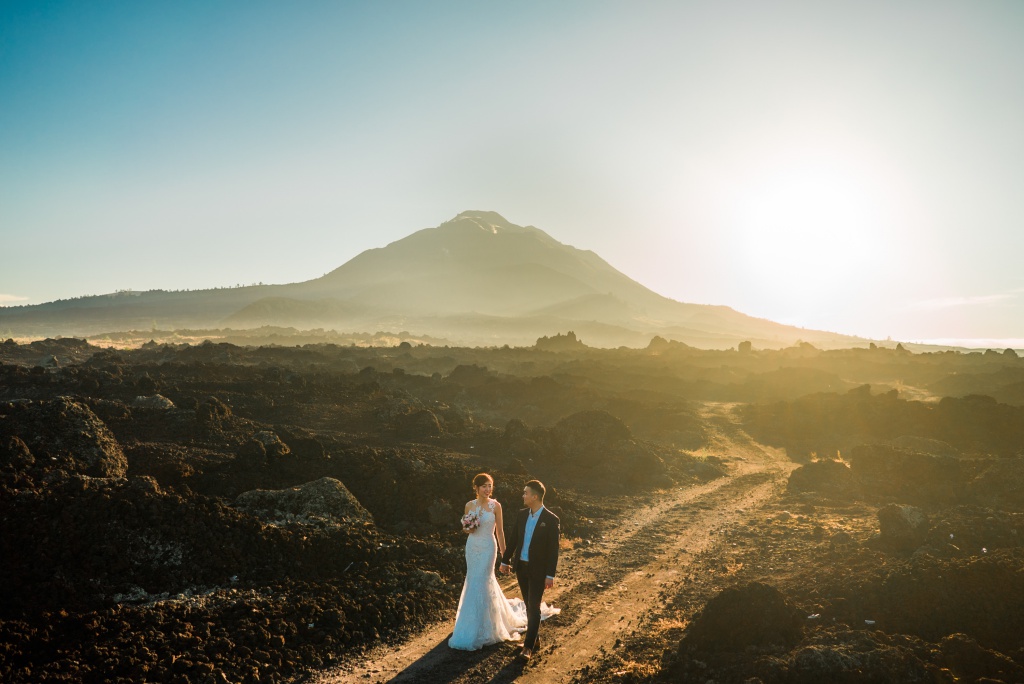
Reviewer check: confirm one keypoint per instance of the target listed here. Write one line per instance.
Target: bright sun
(805, 233)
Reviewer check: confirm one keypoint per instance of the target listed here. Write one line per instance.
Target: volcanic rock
(156, 401)
(429, 579)
(212, 411)
(597, 443)
(15, 454)
(441, 513)
(588, 431)
(982, 595)
(272, 444)
(65, 434)
(326, 499)
(910, 475)
(252, 455)
(832, 478)
(968, 659)
(636, 465)
(925, 445)
(1001, 484)
(418, 425)
(901, 526)
(752, 615)
(470, 375)
(848, 657)
(301, 442)
(973, 530)
(515, 429)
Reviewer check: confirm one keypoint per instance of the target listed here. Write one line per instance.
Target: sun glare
(805, 233)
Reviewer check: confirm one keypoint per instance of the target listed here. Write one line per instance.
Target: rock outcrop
(902, 526)
(754, 615)
(62, 434)
(326, 500)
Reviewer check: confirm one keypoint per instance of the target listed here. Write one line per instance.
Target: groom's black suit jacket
(543, 545)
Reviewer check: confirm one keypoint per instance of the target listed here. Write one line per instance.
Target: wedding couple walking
(485, 616)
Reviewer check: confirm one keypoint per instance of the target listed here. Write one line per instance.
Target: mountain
(476, 279)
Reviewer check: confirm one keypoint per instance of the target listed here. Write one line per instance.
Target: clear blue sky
(855, 167)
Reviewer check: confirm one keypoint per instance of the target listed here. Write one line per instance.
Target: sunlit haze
(853, 167)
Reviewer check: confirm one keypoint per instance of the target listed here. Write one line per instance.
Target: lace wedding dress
(485, 616)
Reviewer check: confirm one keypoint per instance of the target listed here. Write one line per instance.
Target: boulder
(262, 449)
(155, 401)
(753, 615)
(146, 384)
(636, 465)
(326, 500)
(48, 362)
(64, 434)
(441, 514)
(971, 661)
(527, 449)
(15, 454)
(302, 443)
(975, 530)
(272, 444)
(902, 526)
(589, 431)
(427, 579)
(515, 429)
(418, 425)
(212, 411)
(913, 476)
(1001, 484)
(251, 455)
(832, 478)
(846, 657)
(925, 445)
(470, 375)
(598, 446)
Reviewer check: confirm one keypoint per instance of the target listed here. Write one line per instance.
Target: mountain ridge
(476, 279)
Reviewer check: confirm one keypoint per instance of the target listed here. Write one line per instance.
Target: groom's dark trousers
(543, 561)
(531, 584)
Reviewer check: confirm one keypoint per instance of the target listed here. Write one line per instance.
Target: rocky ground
(220, 513)
(820, 585)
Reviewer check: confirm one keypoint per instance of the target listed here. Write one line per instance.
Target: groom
(533, 554)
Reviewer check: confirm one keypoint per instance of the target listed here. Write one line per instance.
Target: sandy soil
(604, 589)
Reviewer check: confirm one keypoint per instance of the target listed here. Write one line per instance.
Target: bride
(485, 616)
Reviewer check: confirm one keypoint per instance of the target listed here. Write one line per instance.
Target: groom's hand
(549, 582)
(503, 568)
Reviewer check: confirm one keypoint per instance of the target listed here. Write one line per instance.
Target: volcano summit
(474, 280)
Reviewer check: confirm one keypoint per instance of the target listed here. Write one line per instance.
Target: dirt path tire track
(603, 589)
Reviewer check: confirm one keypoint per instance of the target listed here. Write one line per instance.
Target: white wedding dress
(485, 616)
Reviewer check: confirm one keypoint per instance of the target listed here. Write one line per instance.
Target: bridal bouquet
(471, 521)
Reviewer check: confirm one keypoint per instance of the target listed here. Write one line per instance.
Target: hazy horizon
(844, 167)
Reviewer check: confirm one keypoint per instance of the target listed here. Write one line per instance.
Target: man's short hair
(538, 488)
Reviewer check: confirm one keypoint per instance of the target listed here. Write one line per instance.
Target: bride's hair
(482, 479)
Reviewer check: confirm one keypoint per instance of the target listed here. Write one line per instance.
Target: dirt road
(605, 588)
